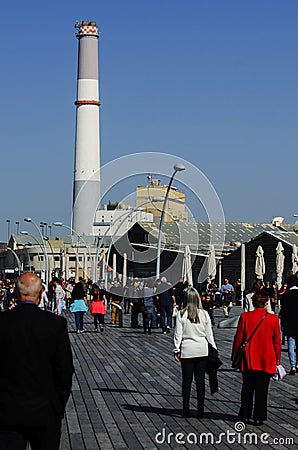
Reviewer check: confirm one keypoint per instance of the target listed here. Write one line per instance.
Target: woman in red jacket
(262, 354)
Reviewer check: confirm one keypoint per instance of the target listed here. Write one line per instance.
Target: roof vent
(277, 221)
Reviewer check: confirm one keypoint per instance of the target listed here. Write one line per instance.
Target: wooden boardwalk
(127, 395)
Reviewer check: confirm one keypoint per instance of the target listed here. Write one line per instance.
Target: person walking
(136, 302)
(273, 294)
(68, 290)
(209, 306)
(192, 334)
(257, 287)
(79, 306)
(116, 296)
(289, 321)
(166, 299)
(59, 297)
(179, 290)
(261, 356)
(36, 371)
(98, 308)
(148, 293)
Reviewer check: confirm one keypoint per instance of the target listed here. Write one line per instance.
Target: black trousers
(147, 321)
(193, 367)
(254, 388)
(40, 438)
(135, 311)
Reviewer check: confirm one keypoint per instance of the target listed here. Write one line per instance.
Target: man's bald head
(29, 287)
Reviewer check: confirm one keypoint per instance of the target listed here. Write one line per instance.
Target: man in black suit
(36, 371)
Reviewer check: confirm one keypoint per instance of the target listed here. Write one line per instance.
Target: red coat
(264, 349)
(97, 307)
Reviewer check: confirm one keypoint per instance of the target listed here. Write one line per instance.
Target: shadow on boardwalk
(126, 395)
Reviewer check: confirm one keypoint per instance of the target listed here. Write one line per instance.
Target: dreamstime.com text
(236, 436)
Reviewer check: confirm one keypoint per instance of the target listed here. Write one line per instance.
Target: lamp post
(17, 228)
(177, 168)
(72, 230)
(44, 224)
(8, 229)
(47, 239)
(17, 259)
(29, 220)
(28, 256)
(25, 233)
(24, 247)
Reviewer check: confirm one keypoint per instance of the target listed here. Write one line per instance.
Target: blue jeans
(154, 317)
(293, 355)
(166, 316)
(79, 318)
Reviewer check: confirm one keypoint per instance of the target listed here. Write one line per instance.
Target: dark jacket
(165, 294)
(36, 366)
(289, 313)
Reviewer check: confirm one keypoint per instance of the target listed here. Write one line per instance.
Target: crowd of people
(257, 340)
(191, 314)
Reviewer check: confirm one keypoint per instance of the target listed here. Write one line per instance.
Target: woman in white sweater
(193, 331)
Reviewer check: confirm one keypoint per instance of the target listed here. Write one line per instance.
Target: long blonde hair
(192, 304)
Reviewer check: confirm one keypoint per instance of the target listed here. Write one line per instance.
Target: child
(98, 308)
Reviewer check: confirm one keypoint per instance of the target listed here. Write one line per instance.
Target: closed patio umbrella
(280, 261)
(294, 259)
(260, 263)
(187, 266)
(242, 270)
(124, 276)
(211, 264)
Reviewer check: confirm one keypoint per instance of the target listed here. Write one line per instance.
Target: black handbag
(239, 355)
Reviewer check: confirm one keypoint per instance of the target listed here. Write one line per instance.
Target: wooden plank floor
(127, 395)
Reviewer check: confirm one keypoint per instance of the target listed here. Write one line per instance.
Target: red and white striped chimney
(86, 188)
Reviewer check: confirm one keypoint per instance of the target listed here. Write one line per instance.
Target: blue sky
(213, 81)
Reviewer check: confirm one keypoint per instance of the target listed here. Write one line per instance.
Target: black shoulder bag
(238, 356)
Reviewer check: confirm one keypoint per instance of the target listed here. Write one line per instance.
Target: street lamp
(44, 224)
(25, 233)
(177, 168)
(47, 239)
(17, 259)
(17, 228)
(29, 220)
(8, 229)
(24, 246)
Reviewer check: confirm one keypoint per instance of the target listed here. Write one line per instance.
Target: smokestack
(86, 188)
